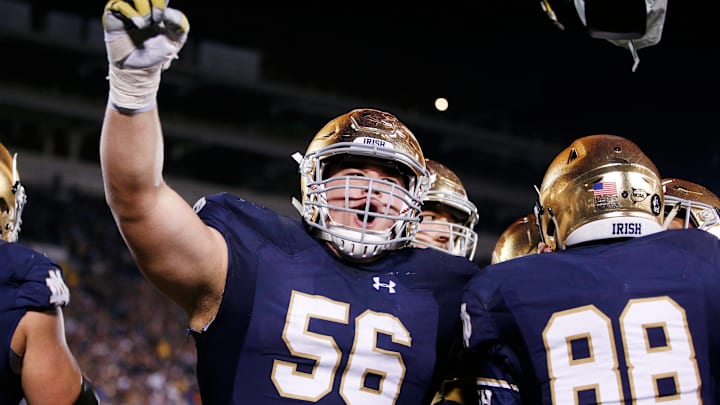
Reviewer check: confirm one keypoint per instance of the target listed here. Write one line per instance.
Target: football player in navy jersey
(448, 215)
(332, 308)
(36, 364)
(620, 312)
(691, 205)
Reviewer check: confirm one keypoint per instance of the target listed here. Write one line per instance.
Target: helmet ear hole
(550, 231)
(545, 223)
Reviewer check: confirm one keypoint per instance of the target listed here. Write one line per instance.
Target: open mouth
(372, 214)
(366, 216)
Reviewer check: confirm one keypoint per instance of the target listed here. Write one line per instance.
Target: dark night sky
(503, 60)
(501, 63)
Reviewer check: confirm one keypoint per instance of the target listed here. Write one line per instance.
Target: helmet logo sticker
(655, 204)
(639, 195)
(373, 142)
(605, 194)
(627, 228)
(604, 188)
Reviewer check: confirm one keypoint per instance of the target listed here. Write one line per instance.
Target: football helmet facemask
(695, 204)
(12, 197)
(375, 137)
(520, 238)
(600, 187)
(448, 194)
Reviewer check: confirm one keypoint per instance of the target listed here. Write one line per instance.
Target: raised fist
(142, 34)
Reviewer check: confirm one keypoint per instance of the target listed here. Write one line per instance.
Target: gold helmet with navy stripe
(695, 205)
(600, 187)
(12, 196)
(363, 135)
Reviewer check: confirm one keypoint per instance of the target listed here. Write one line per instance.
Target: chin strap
(671, 215)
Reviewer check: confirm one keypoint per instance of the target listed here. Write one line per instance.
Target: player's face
(357, 189)
(435, 229)
(679, 223)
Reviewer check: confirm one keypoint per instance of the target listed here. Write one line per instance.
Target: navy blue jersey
(29, 281)
(629, 321)
(298, 324)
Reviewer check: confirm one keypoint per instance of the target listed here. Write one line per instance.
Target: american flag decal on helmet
(604, 188)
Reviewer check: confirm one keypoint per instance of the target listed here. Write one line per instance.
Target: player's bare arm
(50, 374)
(183, 257)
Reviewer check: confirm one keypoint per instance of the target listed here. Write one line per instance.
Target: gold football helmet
(447, 194)
(697, 206)
(520, 238)
(374, 136)
(12, 197)
(600, 187)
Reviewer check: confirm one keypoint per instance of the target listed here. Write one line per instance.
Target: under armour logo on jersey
(60, 293)
(390, 285)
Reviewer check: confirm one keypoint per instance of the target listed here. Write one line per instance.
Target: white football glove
(141, 41)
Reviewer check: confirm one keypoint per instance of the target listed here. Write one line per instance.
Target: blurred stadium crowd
(130, 340)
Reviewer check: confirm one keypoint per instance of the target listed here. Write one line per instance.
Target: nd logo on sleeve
(60, 293)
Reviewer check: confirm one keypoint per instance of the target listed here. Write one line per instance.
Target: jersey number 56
(365, 357)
